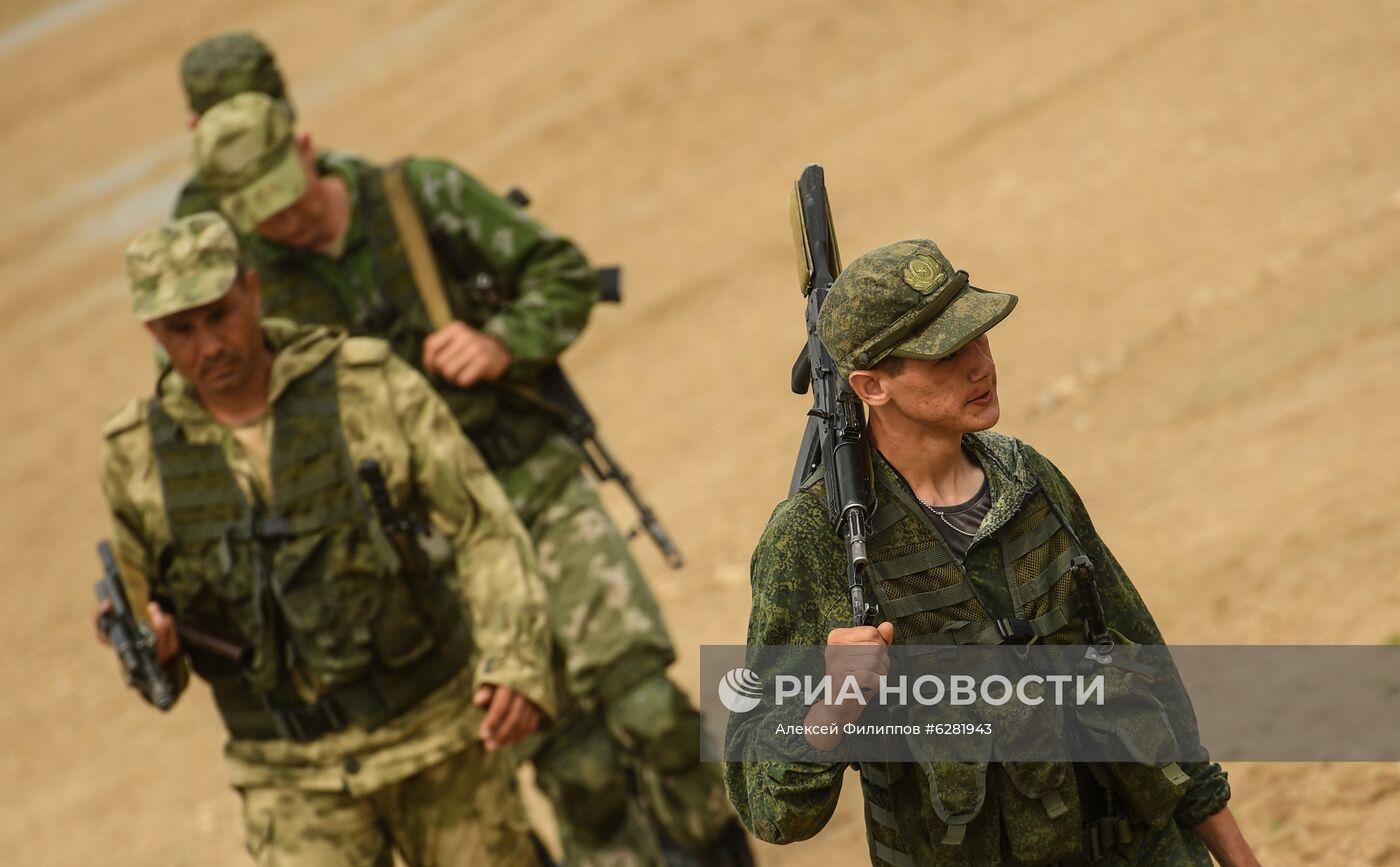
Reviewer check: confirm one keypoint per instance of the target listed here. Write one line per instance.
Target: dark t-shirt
(958, 524)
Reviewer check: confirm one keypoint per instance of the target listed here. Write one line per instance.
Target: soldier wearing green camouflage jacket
(328, 250)
(381, 680)
(969, 544)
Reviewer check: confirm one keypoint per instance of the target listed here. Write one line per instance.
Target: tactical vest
(303, 583)
(383, 301)
(924, 591)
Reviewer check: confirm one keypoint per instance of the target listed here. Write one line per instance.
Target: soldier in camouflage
(370, 711)
(969, 544)
(621, 766)
(213, 70)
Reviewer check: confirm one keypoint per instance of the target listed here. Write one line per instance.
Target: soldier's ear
(869, 386)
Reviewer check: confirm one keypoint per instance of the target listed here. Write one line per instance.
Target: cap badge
(923, 273)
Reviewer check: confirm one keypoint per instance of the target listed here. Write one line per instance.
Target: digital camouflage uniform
(509, 277)
(1036, 520)
(279, 550)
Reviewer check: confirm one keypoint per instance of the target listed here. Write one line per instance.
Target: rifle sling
(415, 246)
(429, 281)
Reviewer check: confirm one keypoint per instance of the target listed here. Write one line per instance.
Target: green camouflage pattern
(799, 596)
(389, 413)
(226, 65)
(624, 713)
(607, 623)
(514, 279)
(462, 811)
(181, 264)
(904, 299)
(503, 272)
(243, 153)
(653, 732)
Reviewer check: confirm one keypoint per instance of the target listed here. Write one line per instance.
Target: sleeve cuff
(1204, 799)
(527, 678)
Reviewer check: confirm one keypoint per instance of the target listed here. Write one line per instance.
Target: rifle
(557, 397)
(835, 437)
(556, 391)
(133, 642)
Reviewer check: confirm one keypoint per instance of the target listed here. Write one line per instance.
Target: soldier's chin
(985, 417)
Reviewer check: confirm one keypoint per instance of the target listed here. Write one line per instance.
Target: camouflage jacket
(799, 595)
(387, 412)
(503, 273)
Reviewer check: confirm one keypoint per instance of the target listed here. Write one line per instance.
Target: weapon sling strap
(415, 246)
(429, 280)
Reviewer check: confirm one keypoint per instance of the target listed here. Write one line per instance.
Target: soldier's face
(302, 224)
(956, 394)
(216, 347)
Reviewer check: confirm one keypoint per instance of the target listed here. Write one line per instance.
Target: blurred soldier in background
(375, 683)
(621, 765)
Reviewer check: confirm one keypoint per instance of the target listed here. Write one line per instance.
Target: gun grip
(801, 373)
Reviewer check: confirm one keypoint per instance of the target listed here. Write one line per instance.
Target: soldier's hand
(862, 654)
(464, 356)
(859, 652)
(510, 716)
(102, 611)
(163, 628)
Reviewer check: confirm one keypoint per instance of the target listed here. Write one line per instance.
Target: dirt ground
(1198, 203)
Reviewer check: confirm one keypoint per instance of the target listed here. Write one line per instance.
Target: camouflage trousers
(623, 758)
(464, 810)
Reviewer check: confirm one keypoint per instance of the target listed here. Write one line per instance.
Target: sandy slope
(1199, 204)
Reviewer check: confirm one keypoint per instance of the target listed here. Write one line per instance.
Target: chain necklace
(944, 518)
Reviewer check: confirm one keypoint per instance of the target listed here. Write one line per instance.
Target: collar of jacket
(347, 167)
(299, 349)
(1008, 475)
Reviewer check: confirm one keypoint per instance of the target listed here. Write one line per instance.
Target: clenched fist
(463, 356)
(860, 653)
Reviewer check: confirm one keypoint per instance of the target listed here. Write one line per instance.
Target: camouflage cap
(904, 299)
(180, 264)
(227, 65)
(243, 152)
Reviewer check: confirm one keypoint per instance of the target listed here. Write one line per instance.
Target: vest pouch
(957, 792)
(1040, 810)
(962, 813)
(217, 584)
(403, 630)
(1132, 726)
(329, 601)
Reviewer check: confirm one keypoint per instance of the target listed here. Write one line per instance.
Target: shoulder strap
(415, 246)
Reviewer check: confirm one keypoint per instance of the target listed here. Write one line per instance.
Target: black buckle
(271, 529)
(1014, 630)
(309, 722)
